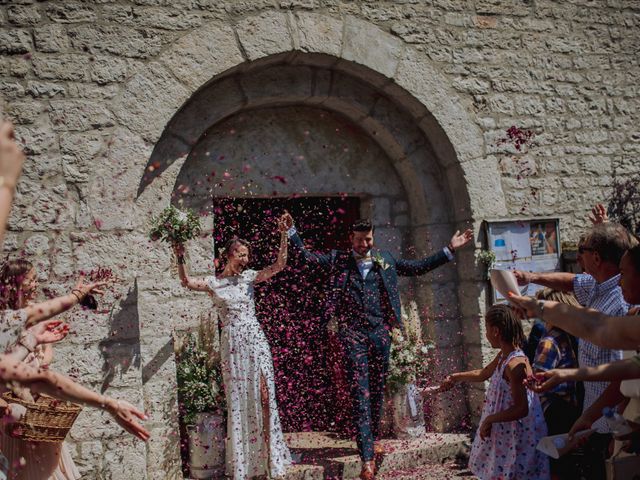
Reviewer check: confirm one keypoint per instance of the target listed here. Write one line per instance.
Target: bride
(255, 444)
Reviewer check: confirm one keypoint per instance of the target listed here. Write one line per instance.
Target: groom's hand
(459, 240)
(287, 220)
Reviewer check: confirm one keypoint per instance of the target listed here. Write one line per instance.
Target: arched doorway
(278, 129)
(392, 92)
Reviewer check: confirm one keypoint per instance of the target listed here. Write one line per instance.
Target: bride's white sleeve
(250, 275)
(211, 282)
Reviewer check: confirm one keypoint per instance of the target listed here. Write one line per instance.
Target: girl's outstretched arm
(479, 375)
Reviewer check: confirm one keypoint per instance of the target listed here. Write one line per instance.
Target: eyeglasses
(581, 250)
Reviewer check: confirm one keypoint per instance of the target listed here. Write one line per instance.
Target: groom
(364, 298)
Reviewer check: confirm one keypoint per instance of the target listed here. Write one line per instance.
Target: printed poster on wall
(530, 245)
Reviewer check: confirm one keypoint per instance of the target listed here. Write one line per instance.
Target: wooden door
(310, 384)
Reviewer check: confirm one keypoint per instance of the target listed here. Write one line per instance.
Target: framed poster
(532, 245)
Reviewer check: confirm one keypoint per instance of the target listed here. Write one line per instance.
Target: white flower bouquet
(175, 226)
(409, 360)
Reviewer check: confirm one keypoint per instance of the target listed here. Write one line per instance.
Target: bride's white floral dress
(245, 358)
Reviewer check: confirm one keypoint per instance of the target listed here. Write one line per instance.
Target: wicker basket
(46, 420)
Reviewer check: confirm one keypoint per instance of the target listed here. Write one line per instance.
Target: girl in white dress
(255, 443)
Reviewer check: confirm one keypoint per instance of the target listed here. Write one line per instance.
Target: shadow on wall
(121, 350)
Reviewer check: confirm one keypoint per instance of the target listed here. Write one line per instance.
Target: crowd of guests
(28, 329)
(580, 358)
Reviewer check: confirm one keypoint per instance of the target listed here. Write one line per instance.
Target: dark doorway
(311, 389)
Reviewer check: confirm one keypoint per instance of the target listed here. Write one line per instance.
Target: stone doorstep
(327, 457)
(324, 456)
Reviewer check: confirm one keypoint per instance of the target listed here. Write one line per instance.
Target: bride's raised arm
(198, 284)
(281, 262)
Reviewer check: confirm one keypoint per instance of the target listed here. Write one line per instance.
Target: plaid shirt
(607, 298)
(556, 351)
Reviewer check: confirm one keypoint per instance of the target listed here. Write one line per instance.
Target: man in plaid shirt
(597, 288)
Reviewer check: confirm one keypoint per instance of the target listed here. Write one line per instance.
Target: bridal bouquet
(409, 360)
(175, 226)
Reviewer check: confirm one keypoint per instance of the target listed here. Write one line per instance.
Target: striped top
(607, 298)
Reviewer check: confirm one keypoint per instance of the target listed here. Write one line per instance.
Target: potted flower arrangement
(203, 407)
(409, 364)
(486, 258)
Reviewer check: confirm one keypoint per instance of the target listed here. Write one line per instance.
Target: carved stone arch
(355, 70)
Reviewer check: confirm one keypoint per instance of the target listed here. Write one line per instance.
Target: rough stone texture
(51, 38)
(319, 33)
(14, 41)
(430, 87)
(151, 95)
(366, 44)
(265, 34)
(198, 57)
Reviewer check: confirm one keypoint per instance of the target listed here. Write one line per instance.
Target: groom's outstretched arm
(319, 259)
(411, 268)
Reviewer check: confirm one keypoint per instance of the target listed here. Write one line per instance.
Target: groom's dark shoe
(368, 471)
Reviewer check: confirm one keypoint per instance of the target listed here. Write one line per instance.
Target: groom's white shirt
(365, 265)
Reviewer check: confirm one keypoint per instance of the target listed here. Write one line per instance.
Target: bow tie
(362, 258)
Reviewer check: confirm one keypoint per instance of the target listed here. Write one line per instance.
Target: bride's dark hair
(231, 244)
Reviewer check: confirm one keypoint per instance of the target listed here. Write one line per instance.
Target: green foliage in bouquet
(487, 258)
(409, 360)
(173, 225)
(199, 381)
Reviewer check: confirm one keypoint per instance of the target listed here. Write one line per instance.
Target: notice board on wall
(531, 245)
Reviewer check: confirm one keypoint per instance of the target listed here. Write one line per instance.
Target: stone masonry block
(368, 45)
(319, 33)
(149, 101)
(201, 55)
(265, 34)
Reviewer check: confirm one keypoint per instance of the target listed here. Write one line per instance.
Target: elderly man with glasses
(600, 252)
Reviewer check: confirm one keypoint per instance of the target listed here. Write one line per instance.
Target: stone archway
(295, 60)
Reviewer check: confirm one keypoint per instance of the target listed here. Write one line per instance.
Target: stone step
(436, 471)
(324, 456)
(321, 455)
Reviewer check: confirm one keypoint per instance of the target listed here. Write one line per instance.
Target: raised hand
(447, 384)
(598, 214)
(85, 288)
(459, 240)
(50, 331)
(523, 278)
(545, 381)
(527, 307)
(125, 414)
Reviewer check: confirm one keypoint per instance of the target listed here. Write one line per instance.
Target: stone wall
(105, 94)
